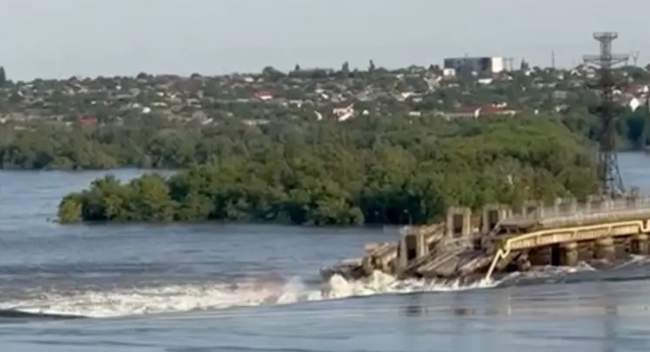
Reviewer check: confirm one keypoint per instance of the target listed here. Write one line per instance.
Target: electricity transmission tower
(611, 182)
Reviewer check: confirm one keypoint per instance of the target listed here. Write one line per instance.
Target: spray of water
(205, 297)
(250, 293)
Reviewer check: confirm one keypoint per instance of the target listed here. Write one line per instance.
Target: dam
(502, 239)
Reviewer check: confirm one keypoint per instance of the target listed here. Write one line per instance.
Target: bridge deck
(601, 228)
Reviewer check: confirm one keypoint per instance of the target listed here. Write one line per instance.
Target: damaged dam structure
(502, 240)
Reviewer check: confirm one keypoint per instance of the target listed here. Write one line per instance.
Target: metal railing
(577, 211)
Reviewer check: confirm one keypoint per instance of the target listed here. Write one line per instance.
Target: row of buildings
(463, 88)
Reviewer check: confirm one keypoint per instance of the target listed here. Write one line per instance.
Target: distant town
(459, 88)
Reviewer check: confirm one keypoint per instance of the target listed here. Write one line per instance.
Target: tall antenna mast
(553, 59)
(611, 182)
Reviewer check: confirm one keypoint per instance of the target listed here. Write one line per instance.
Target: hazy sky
(61, 38)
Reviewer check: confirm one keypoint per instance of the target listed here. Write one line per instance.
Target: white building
(449, 72)
(345, 113)
(635, 104)
(479, 65)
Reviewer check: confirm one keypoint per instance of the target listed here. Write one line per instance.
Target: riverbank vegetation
(159, 143)
(365, 171)
(169, 121)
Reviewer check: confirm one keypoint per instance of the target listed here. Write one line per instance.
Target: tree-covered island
(364, 171)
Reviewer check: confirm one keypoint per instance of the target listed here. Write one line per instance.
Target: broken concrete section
(564, 233)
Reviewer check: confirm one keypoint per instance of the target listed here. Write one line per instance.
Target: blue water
(215, 287)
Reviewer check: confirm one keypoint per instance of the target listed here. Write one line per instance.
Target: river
(213, 287)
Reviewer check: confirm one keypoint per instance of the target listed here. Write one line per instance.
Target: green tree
(371, 66)
(272, 74)
(387, 171)
(345, 69)
(70, 209)
(151, 199)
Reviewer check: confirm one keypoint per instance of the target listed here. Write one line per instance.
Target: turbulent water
(212, 287)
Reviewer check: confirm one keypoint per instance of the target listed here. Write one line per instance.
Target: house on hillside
(88, 121)
(497, 110)
(264, 95)
(345, 113)
(479, 112)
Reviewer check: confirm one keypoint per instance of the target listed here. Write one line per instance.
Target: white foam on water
(380, 283)
(206, 297)
(215, 296)
(158, 300)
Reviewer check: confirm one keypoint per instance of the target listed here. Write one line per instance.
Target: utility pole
(611, 182)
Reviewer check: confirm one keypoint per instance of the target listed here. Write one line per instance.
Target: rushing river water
(211, 287)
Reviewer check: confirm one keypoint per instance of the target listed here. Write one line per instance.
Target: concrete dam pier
(502, 239)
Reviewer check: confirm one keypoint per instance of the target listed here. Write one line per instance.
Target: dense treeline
(152, 142)
(389, 171)
(147, 143)
(632, 128)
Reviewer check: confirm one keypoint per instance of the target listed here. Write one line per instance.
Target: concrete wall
(492, 215)
(459, 222)
(567, 206)
(412, 248)
(533, 208)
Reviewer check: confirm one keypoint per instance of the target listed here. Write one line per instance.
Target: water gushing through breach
(206, 297)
